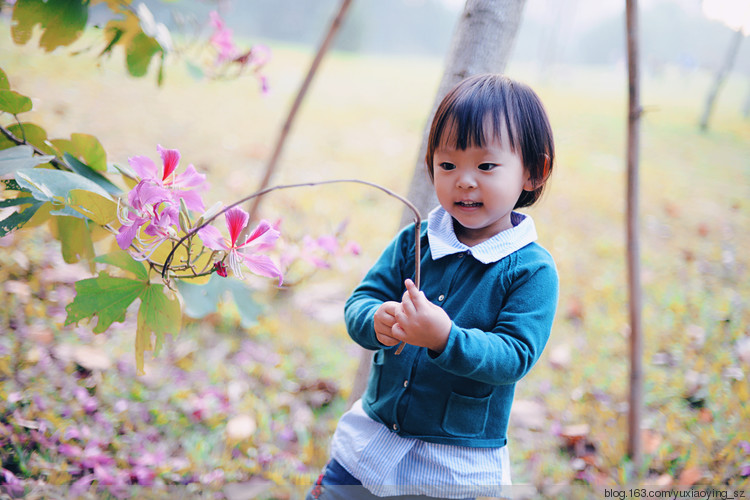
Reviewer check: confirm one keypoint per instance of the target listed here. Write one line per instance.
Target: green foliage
(86, 148)
(140, 51)
(105, 296)
(75, 237)
(157, 315)
(13, 102)
(19, 158)
(86, 171)
(62, 21)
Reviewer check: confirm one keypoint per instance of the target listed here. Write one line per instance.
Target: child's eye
(447, 166)
(487, 166)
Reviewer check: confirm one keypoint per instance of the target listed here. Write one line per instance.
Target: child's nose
(466, 181)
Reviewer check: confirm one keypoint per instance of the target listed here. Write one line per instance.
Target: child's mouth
(469, 204)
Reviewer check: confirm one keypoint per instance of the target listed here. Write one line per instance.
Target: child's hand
(420, 322)
(385, 318)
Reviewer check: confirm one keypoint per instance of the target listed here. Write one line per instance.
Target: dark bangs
(466, 113)
(494, 104)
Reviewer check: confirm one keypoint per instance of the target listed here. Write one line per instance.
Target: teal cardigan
(501, 319)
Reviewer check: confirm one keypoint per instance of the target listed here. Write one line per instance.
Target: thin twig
(410, 205)
(22, 142)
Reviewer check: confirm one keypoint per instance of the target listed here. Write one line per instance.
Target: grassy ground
(364, 118)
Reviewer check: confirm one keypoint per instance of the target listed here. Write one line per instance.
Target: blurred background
(285, 368)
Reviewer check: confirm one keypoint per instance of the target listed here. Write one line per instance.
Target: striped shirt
(388, 464)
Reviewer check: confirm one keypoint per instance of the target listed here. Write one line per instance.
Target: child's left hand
(420, 322)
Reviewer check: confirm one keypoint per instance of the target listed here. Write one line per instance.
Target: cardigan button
(395, 427)
(406, 383)
(461, 255)
(441, 298)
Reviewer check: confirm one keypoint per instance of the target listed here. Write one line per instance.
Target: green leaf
(4, 83)
(12, 185)
(55, 185)
(17, 220)
(202, 300)
(20, 157)
(104, 296)
(86, 171)
(126, 262)
(140, 52)
(32, 134)
(91, 150)
(21, 200)
(14, 103)
(247, 307)
(99, 209)
(75, 239)
(158, 314)
(62, 21)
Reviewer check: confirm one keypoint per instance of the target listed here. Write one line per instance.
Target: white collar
(443, 239)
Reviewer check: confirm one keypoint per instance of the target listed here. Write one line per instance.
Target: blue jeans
(335, 483)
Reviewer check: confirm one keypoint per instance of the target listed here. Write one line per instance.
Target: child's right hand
(385, 318)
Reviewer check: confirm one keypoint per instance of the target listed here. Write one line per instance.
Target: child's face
(479, 186)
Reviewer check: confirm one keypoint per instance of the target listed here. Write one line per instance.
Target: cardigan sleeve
(383, 282)
(507, 353)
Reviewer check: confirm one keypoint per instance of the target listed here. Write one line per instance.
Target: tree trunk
(635, 408)
(482, 43)
(721, 75)
(746, 107)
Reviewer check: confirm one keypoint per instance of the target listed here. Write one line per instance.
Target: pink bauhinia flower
(262, 238)
(152, 205)
(185, 185)
(221, 39)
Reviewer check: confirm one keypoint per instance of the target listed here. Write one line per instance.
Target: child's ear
(532, 184)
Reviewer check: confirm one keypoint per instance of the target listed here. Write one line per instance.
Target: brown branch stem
(410, 205)
(23, 142)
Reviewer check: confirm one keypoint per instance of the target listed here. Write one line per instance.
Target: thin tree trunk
(635, 408)
(746, 107)
(482, 43)
(281, 139)
(721, 76)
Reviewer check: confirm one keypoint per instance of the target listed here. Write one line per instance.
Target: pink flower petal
(262, 265)
(170, 158)
(236, 221)
(126, 234)
(144, 167)
(192, 199)
(189, 179)
(216, 20)
(212, 238)
(146, 193)
(262, 238)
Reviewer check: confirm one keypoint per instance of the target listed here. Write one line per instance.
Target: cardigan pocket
(377, 366)
(466, 416)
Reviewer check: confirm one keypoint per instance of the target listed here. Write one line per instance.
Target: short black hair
(512, 106)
